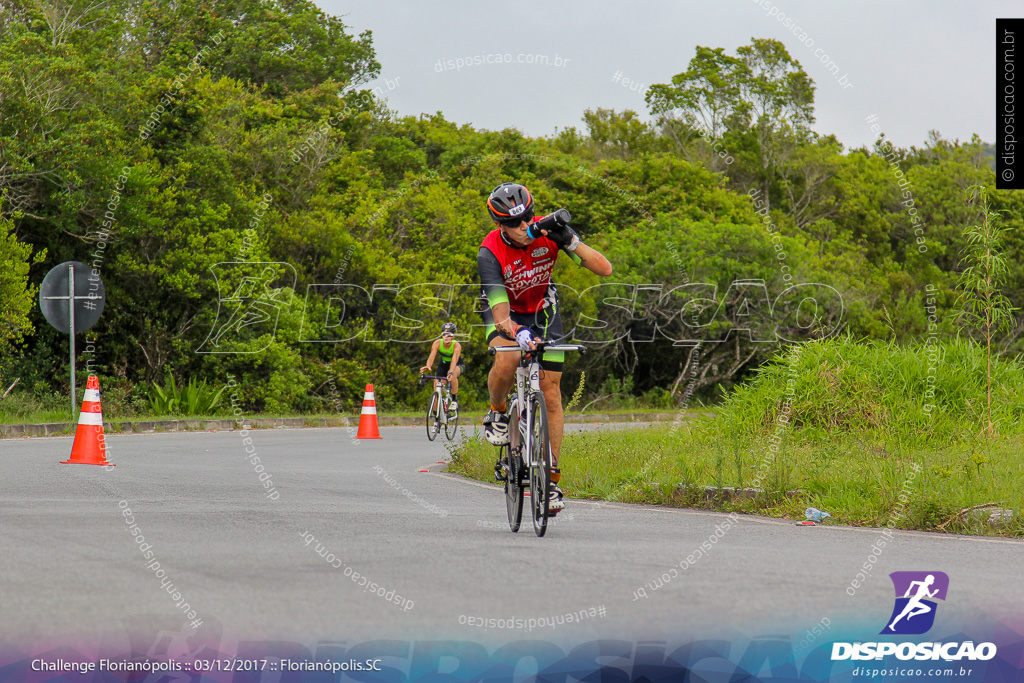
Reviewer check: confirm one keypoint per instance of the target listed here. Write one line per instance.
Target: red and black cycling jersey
(518, 275)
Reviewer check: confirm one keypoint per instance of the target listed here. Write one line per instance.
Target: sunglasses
(514, 222)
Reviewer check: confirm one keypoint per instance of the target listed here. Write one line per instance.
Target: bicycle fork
(442, 405)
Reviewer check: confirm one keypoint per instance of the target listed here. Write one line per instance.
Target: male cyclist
(452, 363)
(522, 305)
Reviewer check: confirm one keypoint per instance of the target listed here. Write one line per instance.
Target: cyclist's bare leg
(503, 373)
(551, 385)
(455, 379)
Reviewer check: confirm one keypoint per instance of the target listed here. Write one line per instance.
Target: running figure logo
(914, 611)
(253, 303)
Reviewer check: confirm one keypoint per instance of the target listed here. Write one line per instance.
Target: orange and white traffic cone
(89, 447)
(368, 418)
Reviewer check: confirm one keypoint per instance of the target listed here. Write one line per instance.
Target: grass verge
(874, 434)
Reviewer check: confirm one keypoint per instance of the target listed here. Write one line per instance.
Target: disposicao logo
(916, 592)
(913, 614)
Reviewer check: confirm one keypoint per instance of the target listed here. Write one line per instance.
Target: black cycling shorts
(442, 369)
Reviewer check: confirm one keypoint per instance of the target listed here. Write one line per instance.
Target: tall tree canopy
(206, 156)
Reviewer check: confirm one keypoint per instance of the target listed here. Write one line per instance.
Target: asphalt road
(245, 557)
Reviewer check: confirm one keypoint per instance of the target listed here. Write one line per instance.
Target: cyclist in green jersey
(452, 363)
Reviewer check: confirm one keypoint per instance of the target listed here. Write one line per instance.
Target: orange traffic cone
(89, 447)
(368, 418)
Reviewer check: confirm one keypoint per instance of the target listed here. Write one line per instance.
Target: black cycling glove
(564, 236)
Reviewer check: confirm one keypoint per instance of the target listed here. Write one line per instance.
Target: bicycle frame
(528, 371)
(439, 409)
(443, 391)
(527, 382)
(521, 427)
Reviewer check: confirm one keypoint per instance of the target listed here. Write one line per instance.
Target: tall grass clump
(931, 395)
(982, 303)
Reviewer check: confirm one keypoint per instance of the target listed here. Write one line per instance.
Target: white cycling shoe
(555, 502)
(496, 428)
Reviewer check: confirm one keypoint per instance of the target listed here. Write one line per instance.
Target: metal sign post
(83, 307)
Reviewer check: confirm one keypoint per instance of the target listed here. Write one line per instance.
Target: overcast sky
(918, 65)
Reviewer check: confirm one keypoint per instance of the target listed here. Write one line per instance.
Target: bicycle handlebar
(424, 378)
(541, 346)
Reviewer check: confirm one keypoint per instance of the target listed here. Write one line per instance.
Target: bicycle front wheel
(538, 453)
(433, 417)
(513, 488)
(451, 427)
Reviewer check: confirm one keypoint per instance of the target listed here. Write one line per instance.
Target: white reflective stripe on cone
(369, 410)
(368, 396)
(92, 395)
(92, 419)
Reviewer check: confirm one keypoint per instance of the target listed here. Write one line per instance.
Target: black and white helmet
(510, 203)
(449, 328)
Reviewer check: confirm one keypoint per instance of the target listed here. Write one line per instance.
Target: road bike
(439, 409)
(526, 458)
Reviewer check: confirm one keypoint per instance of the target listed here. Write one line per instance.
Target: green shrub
(195, 398)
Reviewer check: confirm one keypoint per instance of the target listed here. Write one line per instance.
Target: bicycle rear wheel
(538, 452)
(451, 427)
(433, 417)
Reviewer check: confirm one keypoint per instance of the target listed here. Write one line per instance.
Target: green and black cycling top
(446, 354)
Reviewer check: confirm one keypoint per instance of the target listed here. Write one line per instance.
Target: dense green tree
(748, 115)
(255, 215)
(705, 98)
(17, 296)
(623, 135)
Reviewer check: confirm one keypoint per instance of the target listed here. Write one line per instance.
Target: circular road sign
(56, 296)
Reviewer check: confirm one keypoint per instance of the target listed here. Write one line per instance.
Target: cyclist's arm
(456, 354)
(592, 260)
(493, 282)
(502, 321)
(433, 353)
(582, 254)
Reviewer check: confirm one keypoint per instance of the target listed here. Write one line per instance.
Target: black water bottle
(560, 218)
